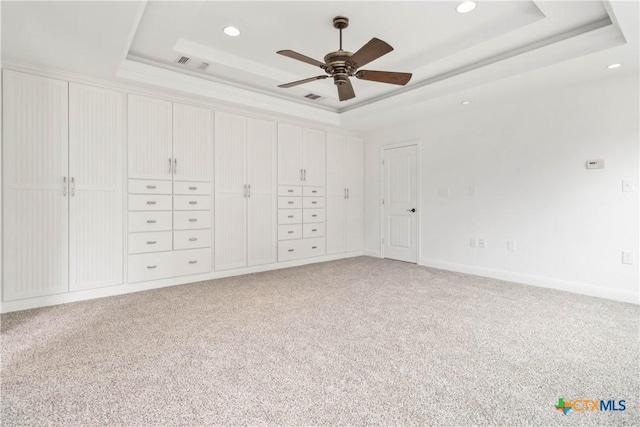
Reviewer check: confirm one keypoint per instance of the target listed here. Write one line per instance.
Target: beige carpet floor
(358, 341)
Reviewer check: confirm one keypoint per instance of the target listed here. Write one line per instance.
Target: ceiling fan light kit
(341, 64)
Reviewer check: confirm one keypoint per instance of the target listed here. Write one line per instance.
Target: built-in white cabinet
(245, 191)
(301, 192)
(170, 201)
(345, 194)
(62, 186)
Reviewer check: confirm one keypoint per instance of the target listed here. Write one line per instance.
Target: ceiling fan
(342, 64)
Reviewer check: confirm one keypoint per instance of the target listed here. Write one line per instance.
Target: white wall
(526, 156)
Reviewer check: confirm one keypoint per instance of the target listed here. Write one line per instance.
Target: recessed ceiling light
(465, 102)
(614, 66)
(231, 31)
(466, 6)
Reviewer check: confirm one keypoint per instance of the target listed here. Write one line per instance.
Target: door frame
(409, 143)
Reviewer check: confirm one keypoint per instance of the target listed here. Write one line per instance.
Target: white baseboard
(372, 253)
(25, 304)
(540, 281)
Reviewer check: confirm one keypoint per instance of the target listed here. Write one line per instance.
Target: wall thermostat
(595, 164)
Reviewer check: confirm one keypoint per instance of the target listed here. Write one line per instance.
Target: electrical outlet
(482, 243)
(511, 245)
(627, 258)
(473, 243)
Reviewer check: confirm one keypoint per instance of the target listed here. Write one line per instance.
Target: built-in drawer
(289, 216)
(155, 241)
(301, 248)
(144, 267)
(193, 261)
(313, 230)
(289, 190)
(289, 231)
(191, 239)
(313, 215)
(313, 202)
(289, 202)
(149, 221)
(188, 187)
(149, 202)
(313, 191)
(142, 186)
(189, 203)
(189, 220)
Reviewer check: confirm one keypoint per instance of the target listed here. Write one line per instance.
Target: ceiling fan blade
(299, 82)
(345, 91)
(374, 49)
(384, 77)
(300, 57)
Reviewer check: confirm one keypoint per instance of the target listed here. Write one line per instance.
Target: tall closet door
(336, 193)
(289, 154)
(96, 187)
(313, 157)
(354, 178)
(35, 178)
(149, 142)
(192, 143)
(230, 201)
(262, 201)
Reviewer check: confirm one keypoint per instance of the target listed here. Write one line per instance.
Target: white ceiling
(449, 54)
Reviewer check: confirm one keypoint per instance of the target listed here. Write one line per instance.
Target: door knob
(411, 210)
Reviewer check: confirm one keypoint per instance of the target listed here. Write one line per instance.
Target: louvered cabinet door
(230, 219)
(262, 197)
(354, 178)
(96, 187)
(289, 154)
(35, 180)
(336, 194)
(313, 157)
(150, 138)
(192, 143)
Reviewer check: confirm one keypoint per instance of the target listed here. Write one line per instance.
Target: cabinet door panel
(289, 154)
(262, 200)
(96, 168)
(192, 143)
(149, 142)
(336, 193)
(313, 157)
(36, 203)
(354, 174)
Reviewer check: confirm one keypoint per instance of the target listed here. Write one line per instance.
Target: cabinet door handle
(305, 175)
(175, 166)
(193, 262)
(193, 202)
(193, 239)
(64, 186)
(151, 242)
(151, 221)
(249, 190)
(244, 190)
(347, 193)
(169, 165)
(151, 266)
(151, 187)
(193, 219)
(151, 202)
(73, 186)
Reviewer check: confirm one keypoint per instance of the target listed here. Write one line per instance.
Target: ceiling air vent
(184, 60)
(203, 66)
(312, 96)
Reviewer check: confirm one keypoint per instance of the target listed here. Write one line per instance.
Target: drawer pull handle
(151, 266)
(313, 203)
(151, 242)
(193, 219)
(193, 202)
(193, 239)
(314, 215)
(193, 262)
(289, 191)
(193, 188)
(151, 187)
(290, 203)
(314, 247)
(290, 231)
(314, 229)
(290, 250)
(151, 221)
(151, 202)
(314, 191)
(290, 216)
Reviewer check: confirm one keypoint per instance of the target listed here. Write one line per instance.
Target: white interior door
(289, 154)
(336, 193)
(354, 178)
(96, 187)
(400, 204)
(230, 197)
(35, 180)
(313, 157)
(192, 143)
(262, 201)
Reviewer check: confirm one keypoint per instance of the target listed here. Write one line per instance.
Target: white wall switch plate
(482, 243)
(627, 185)
(511, 245)
(595, 164)
(473, 243)
(627, 258)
